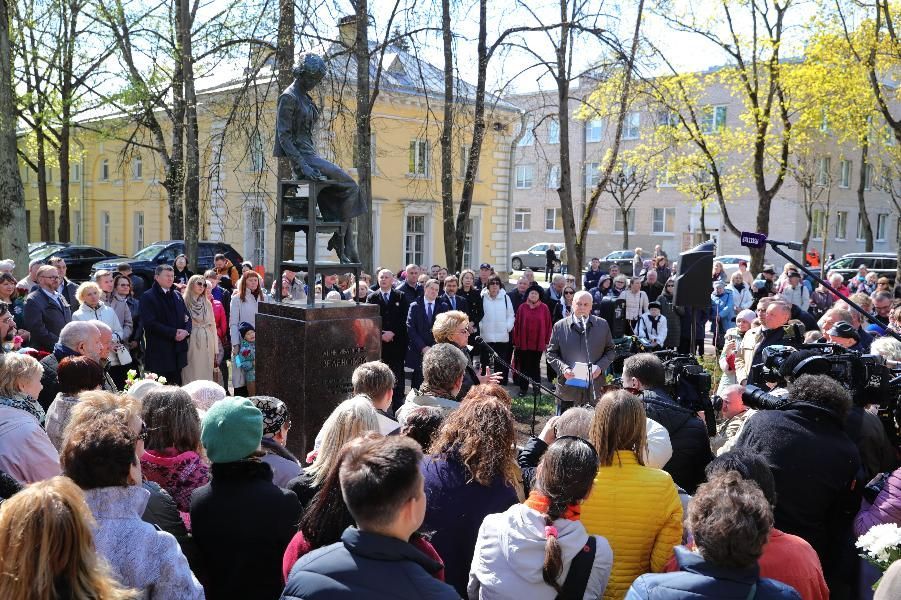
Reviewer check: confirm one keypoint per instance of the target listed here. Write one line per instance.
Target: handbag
(123, 354)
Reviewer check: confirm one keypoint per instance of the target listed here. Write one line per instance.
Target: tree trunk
(364, 136)
(861, 200)
(478, 136)
(70, 13)
(284, 57)
(447, 129)
(574, 252)
(192, 148)
(43, 202)
(625, 214)
(703, 220)
(13, 239)
(175, 179)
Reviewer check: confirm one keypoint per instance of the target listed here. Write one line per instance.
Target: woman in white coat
(496, 325)
(247, 297)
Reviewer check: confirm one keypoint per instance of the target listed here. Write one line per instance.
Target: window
(553, 132)
(104, 170)
(139, 231)
(104, 230)
(664, 220)
(666, 118)
(258, 233)
(137, 167)
(553, 220)
(666, 178)
(49, 174)
(824, 123)
(881, 222)
(632, 126)
(618, 220)
(824, 172)
(524, 174)
(553, 177)
(594, 129)
(869, 175)
(818, 224)
(76, 173)
(467, 243)
(845, 179)
(713, 119)
(419, 160)
(528, 136)
(522, 219)
(414, 248)
(592, 174)
(256, 153)
(841, 224)
(860, 230)
(26, 175)
(464, 160)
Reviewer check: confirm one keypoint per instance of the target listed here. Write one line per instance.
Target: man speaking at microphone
(578, 341)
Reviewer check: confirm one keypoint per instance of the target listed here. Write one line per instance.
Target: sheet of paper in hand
(582, 375)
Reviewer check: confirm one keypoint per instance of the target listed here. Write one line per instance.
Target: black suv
(882, 263)
(146, 260)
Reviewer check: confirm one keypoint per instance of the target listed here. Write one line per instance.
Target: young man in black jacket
(384, 492)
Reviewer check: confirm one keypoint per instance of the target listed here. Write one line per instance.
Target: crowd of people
(181, 484)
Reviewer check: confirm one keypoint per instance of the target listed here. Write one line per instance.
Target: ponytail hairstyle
(565, 476)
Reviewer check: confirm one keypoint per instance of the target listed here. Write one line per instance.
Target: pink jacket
(885, 509)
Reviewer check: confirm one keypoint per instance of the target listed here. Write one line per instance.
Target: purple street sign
(753, 240)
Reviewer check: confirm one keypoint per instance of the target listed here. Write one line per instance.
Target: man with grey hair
(106, 346)
(443, 367)
(78, 338)
(393, 309)
(66, 287)
(735, 415)
(46, 311)
(580, 338)
(772, 333)
(166, 327)
(24, 286)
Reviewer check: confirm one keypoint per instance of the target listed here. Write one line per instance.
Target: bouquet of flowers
(132, 376)
(881, 546)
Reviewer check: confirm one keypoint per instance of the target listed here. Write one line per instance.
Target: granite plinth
(307, 355)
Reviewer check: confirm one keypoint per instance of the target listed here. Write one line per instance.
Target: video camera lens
(717, 401)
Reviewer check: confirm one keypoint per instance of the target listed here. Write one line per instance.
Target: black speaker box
(613, 310)
(693, 282)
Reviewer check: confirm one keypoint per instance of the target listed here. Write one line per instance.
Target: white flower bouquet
(881, 546)
(132, 376)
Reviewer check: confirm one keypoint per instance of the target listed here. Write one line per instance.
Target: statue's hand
(312, 173)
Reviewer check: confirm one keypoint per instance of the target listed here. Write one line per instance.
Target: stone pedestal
(306, 356)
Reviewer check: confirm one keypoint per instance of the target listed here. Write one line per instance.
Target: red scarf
(541, 503)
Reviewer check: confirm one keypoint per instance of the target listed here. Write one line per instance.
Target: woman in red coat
(531, 334)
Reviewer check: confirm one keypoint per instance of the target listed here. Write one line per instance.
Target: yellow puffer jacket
(638, 510)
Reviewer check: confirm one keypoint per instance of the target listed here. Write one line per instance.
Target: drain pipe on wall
(81, 204)
(510, 175)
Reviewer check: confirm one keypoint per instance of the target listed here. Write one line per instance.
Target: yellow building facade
(118, 203)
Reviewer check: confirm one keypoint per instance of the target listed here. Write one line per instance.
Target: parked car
(882, 263)
(730, 262)
(35, 246)
(145, 261)
(534, 257)
(623, 258)
(79, 259)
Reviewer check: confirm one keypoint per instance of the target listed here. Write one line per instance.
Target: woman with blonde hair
(636, 508)
(203, 341)
(470, 474)
(26, 452)
(68, 566)
(244, 303)
(350, 419)
(453, 327)
(93, 308)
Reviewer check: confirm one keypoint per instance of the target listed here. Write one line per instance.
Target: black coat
(162, 314)
(462, 304)
(688, 436)
(528, 460)
(242, 523)
(394, 319)
(366, 565)
(304, 488)
(815, 465)
(44, 319)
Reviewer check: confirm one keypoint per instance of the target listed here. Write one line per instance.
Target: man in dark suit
(46, 311)
(166, 327)
(409, 286)
(419, 328)
(449, 300)
(393, 310)
(66, 287)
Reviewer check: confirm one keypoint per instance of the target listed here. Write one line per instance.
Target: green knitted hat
(232, 429)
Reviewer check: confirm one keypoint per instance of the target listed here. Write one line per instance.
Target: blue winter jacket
(699, 579)
(723, 307)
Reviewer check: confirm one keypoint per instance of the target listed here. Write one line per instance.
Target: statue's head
(310, 69)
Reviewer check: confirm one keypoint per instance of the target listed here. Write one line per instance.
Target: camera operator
(815, 465)
(688, 434)
(775, 332)
(864, 302)
(844, 334)
(736, 413)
